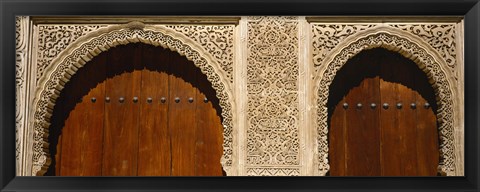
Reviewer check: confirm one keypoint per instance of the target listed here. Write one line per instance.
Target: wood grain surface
(143, 138)
(393, 141)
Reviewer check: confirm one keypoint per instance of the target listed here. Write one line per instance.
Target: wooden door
(382, 118)
(137, 110)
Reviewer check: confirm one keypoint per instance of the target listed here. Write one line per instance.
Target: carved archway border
(85, 48)
(412, 48)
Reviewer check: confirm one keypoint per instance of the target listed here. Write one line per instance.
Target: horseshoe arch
(85, 48)
(411, 47)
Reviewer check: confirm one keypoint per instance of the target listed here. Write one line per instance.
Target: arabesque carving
(328, 36)
(63, 67)
(53, 39)
(428, 62)
(440, 36)
(272, 95)
(21, 32)
(216, 39)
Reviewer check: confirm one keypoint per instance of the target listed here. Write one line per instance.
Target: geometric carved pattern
(440, 36)
(53, 39)
(66, 66)
(216, 39)
(272, 95)
(424, 60)
(273, 171)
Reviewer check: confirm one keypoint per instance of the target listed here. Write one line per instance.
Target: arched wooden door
(382, 118)
(137, 110)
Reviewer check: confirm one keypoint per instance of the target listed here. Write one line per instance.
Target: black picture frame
(9, 9)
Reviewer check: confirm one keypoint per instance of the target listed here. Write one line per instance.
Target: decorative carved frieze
(440, 36)
(21, 35)
(53, 39)
(273, 172)
(216, 39)
(272, 94)
(328, 36)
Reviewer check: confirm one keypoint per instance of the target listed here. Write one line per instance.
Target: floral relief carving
(328, 36)
(52, 39)
(426, 62)
(216, 39)
(440, 36)
(87, 49)
(272, 86)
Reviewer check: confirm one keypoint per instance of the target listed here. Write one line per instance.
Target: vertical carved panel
(53, 39)
(272, 86)
(21, 35)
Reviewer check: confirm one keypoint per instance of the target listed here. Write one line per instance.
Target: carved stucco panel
(88, 46)
(328, 36)
(440, 36)
(216, 39)
(53, 39)
(272, 95)
(21, 35)
(425, 59)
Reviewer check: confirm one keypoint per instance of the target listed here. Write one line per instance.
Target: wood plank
(209, 130)
(71, 148)
(337, 121)
(73, 107)
(390, 140)
(355, 151)
(363, 140)
(92, 119)
(154, 142)
(121, 119)
(426, 128)
(362, 132)
(181, 116)
(404, 78)
(91, 135)
(82, 134)
(58, 127)
(337, 140)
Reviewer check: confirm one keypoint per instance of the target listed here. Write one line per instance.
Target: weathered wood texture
(380, 141)
(145, 137)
